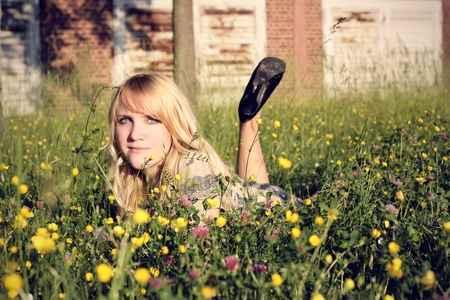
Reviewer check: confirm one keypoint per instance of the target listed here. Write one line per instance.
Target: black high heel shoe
(264, 80)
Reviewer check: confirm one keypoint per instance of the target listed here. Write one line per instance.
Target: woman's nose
(137, 132)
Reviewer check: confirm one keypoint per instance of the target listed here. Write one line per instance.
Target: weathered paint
(379, 43)
(20, 51)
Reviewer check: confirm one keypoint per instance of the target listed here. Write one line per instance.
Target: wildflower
(308, 202)
(386, 224)
(89, 228)
(163, 221)
(142, 275)
(194, 274)
(232, 262)
(164, 250)
(318, 296)
(328, 258)
(295, 233)
(389, 297)
(349, 284)
(52, 226)
(276, 124)
(141, 216)
(333, 214)
(3, 167)
(212, 202)
(42, 241)
(180, 223)
(291, 217)
(111, 198)
(13, 283)
(208, 292)
(428, 280)
(13, 249)
(15, 180)
(75, 172)
(177, 177)
(88, 277)
(154, 272)
(104, 272)
(394, 268)
(399, 196)
(319, 221)
(118, 230)
(276, 279)
(421, 180)
(258, 268)
(28, 264)
(182, 249)
(376, 233)
(393, 247)
(200, 232)
(110, 221)
(185, 201)
(221, 221)
(314, 240)
(23, 189)
(446, 226)
(46, 166)
(391, 209)
(284, 163)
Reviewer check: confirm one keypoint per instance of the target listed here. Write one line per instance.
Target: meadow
(378, 226)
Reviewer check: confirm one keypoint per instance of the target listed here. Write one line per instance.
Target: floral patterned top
(199, 183)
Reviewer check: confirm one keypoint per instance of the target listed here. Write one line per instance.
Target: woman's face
(143, 140)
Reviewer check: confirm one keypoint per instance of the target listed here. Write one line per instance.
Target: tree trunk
(184, 48)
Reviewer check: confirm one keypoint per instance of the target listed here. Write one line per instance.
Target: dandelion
(13, 283)
(428, 280)
(164, 250)
(42, 241)
(104, 272)
(182, 249)
(393, 247)
(284, 163)
(221, 221)
(75, 172)
(23, 189)
(276, 279)
(89, 228)
(15, 180)
(88, 277)
(319, 221)
(376, 233)
(141, 216)
(142, 275)
(295, 233)
(291, 217)
(276, 124)
(208, 292)
(314, 240)
(118, 230)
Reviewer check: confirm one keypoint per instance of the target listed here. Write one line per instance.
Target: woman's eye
(153, 120)
(124, 120)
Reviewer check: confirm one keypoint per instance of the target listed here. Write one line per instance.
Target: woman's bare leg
(250, 160)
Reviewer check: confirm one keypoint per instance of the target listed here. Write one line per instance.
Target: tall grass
(377, 226)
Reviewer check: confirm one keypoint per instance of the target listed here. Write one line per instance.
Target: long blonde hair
(157, 95)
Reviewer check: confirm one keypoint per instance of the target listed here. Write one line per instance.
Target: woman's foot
(264, 80)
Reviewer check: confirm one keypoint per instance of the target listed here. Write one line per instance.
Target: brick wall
(294, 33)
(78, 33)
(446, 41)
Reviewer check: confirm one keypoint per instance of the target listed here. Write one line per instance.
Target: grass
(379, 227)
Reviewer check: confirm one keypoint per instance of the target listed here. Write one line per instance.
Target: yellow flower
(394, 268)
(163, 221)
(421, 180)
(110, 221)
(393, 247)
(349, 284)
(399, 196)
(3, 167)
(177, 177)
(180, 223)
(333, 214)
(89, 228)
(276, 124)
(276, 279)
(284, 163)
(46, 166)
(319, 221)
(111, 198)
(75, 172)
(13, 249)
(318, 296)
(221, 221)
(52, 226)
(23, 189)
(329, 258)
(156, 190)
(208, 292)
(42, 241)
(428, 280)
(28, 264)
(164, 250)
(104, 272)
(308, 202)
(446, 226)
(376, 233)
(62, 296)
(154, 272)
(295, 233)
(182, 249)
(13, 282)
(88, 277)
(118, 230)
(212, 202)
(141, 216)
(314, 240)
(142, 275)
(291, 217)
(15, 180)
(386, 224)
(259, 121)
(389, 297)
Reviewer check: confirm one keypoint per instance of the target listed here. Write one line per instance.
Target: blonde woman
(154, 142)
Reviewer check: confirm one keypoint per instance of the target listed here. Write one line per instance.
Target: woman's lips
(137, 149)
